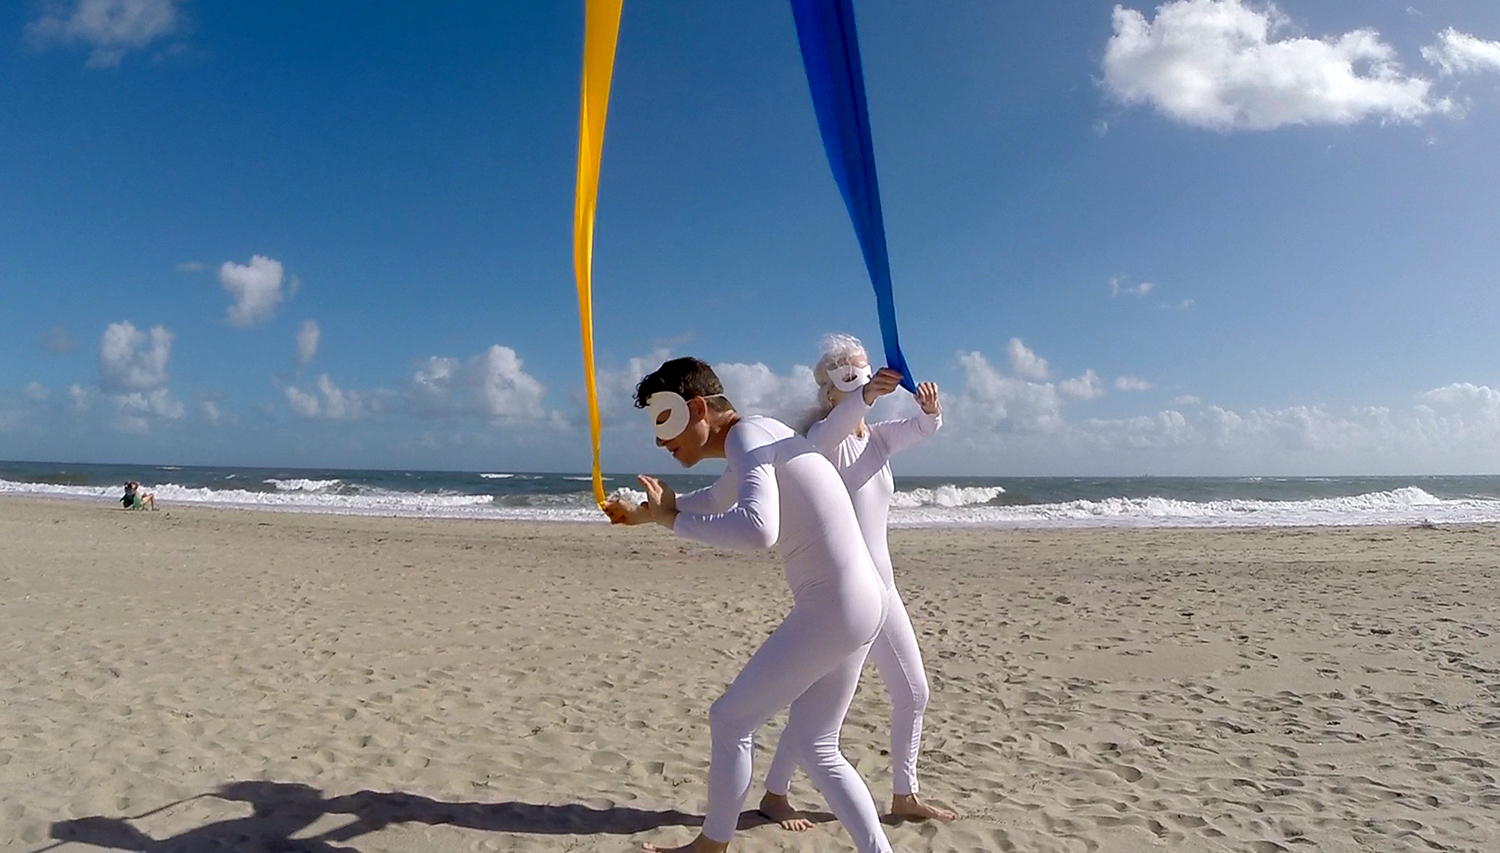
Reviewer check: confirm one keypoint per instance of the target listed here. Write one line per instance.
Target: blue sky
(1206, 237)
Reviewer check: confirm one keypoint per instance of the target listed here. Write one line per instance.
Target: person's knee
(727, 718)
(817, 751)
(920, 693)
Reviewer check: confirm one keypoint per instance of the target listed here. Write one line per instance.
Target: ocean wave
(497, 476)
(946, 496)
(299, 485)
(943, 506)
(1405, 505)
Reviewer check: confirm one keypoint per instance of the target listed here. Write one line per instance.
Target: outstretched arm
(839, 424)
(895, 436)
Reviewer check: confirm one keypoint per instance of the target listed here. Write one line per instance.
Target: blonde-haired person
(861, 452)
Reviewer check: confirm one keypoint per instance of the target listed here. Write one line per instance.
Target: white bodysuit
(779, 490)
(864, 466)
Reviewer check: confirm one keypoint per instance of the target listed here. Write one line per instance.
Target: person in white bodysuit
(776, 490)
(862, 455)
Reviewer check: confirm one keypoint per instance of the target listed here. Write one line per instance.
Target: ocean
(1008, 502)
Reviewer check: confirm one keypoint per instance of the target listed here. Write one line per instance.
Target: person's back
(817, 518)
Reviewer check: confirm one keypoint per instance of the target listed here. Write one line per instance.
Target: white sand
(496, 686)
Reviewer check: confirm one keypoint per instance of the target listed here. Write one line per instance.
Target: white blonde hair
(836, 348)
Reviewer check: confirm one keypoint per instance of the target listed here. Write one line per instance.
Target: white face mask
(847, 377)
(677, 418)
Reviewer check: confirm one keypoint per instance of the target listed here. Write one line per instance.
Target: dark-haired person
(776, 490)
(861, 452)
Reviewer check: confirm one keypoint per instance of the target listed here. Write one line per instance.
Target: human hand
(621, 512)
(661, 501)
(927, 398)
(882, 383)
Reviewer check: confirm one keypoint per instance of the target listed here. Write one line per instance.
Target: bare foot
(701, 844)
(911, 807)
(778, 808)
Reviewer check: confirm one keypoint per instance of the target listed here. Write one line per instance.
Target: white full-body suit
(777, 489)
(863, 463)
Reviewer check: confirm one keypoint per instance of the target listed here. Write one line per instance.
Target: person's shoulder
(757, 431)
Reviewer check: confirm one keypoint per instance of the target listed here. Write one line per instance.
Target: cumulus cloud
(79, 397)
(1461, 53)
(57, 341)
(1025, 363)
(756, 389)
(493, 385)
(616, 387)
(307, 342)
(214, 414)
(1131, 383)
(1000, 420)
(1086, 387)
(1219, 65)
(256, 288)
(129, 360)
(34, 391)
(1117, 287)
(994, 401)
(134, 410)
(1187, 400)
(109, 27)
(327, 401)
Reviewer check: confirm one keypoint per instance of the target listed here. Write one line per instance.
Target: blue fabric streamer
(830, 52)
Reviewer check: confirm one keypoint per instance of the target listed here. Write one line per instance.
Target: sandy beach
(198, 679)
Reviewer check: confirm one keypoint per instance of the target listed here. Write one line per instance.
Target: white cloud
(159, 402)
(214, 414)
(79, 397)
(433, 383)
(1025, 363)
(1217, 64)
(1187, 400)
(110, 27)
(993, 401)
(756, 389)
(34, 391)
(493, 385)
(129, 362)
(1453, 428)
(256, 288)
(1141, 289)
(307, 342)
(1461, 53)
(507, 392)
(133, 410)
(329, 402)
(1086, 387)
(57, 341)
(1131, 383)
(617, 387)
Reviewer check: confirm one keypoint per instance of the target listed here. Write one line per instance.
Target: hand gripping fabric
(830, 52)
(601, 31)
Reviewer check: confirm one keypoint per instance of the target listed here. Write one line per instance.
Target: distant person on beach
(134, 498)
(861, 452)
(776, 490)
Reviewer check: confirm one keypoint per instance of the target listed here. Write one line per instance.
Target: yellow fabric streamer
(601, 31)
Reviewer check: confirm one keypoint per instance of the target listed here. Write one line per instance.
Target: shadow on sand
(280, 810)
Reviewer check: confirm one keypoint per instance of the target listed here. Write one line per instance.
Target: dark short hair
(688, 376)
